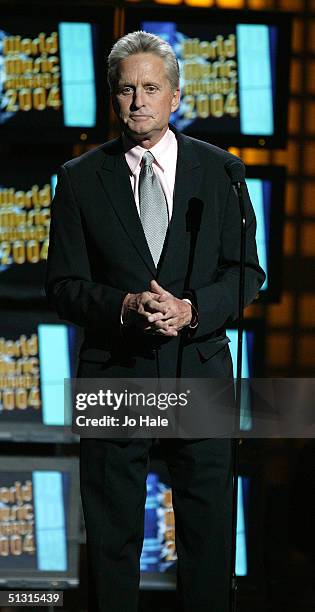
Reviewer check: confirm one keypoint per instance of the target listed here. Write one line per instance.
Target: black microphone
(235, 170)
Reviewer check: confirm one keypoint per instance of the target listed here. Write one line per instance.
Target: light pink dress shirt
(164, 165)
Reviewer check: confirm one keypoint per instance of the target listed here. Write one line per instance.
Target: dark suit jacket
(98, 253)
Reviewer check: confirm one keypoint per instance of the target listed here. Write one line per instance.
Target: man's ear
(175, 100)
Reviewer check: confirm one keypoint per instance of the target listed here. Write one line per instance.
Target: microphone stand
(238, 396)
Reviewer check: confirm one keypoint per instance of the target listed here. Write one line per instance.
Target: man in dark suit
(151, 306)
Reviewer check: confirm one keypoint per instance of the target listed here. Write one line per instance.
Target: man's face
(144, 100)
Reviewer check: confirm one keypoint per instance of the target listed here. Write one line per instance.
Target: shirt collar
(134, 153)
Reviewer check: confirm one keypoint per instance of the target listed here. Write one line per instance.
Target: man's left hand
(177, 316)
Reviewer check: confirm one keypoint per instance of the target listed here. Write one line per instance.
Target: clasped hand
(156, 311)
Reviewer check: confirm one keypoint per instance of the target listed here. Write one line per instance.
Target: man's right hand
(137, 307)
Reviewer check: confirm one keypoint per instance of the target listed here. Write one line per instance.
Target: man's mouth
(139, 116)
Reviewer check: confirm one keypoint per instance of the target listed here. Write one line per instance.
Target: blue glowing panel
(247, 370)
(50, 525)
(53, 183)
(77, 70)
(54, 368)
(151, 550)
(257, 196)
(232, 334)
(255, 79)
(241, 552)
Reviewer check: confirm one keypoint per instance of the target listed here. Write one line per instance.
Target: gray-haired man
(118, 260)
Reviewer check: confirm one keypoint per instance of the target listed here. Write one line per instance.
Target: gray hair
(142, 42)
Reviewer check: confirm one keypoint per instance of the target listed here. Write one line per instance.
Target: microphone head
(235, 170)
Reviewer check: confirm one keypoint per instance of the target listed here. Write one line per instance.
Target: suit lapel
(186, 187)
(114, 175)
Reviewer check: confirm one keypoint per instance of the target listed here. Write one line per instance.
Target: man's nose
(138, 98)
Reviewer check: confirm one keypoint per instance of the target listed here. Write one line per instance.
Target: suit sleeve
(69, 286)
(217, 303)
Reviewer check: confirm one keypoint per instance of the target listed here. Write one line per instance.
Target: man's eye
(126, 90)
(151, 88)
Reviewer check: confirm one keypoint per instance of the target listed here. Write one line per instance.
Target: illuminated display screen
(232, 88)
(39, 529)
(266, 186)
(35, 357)
(159, 551)
(260, 195)
(35, 503)
(51, 78)
(27, 187)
